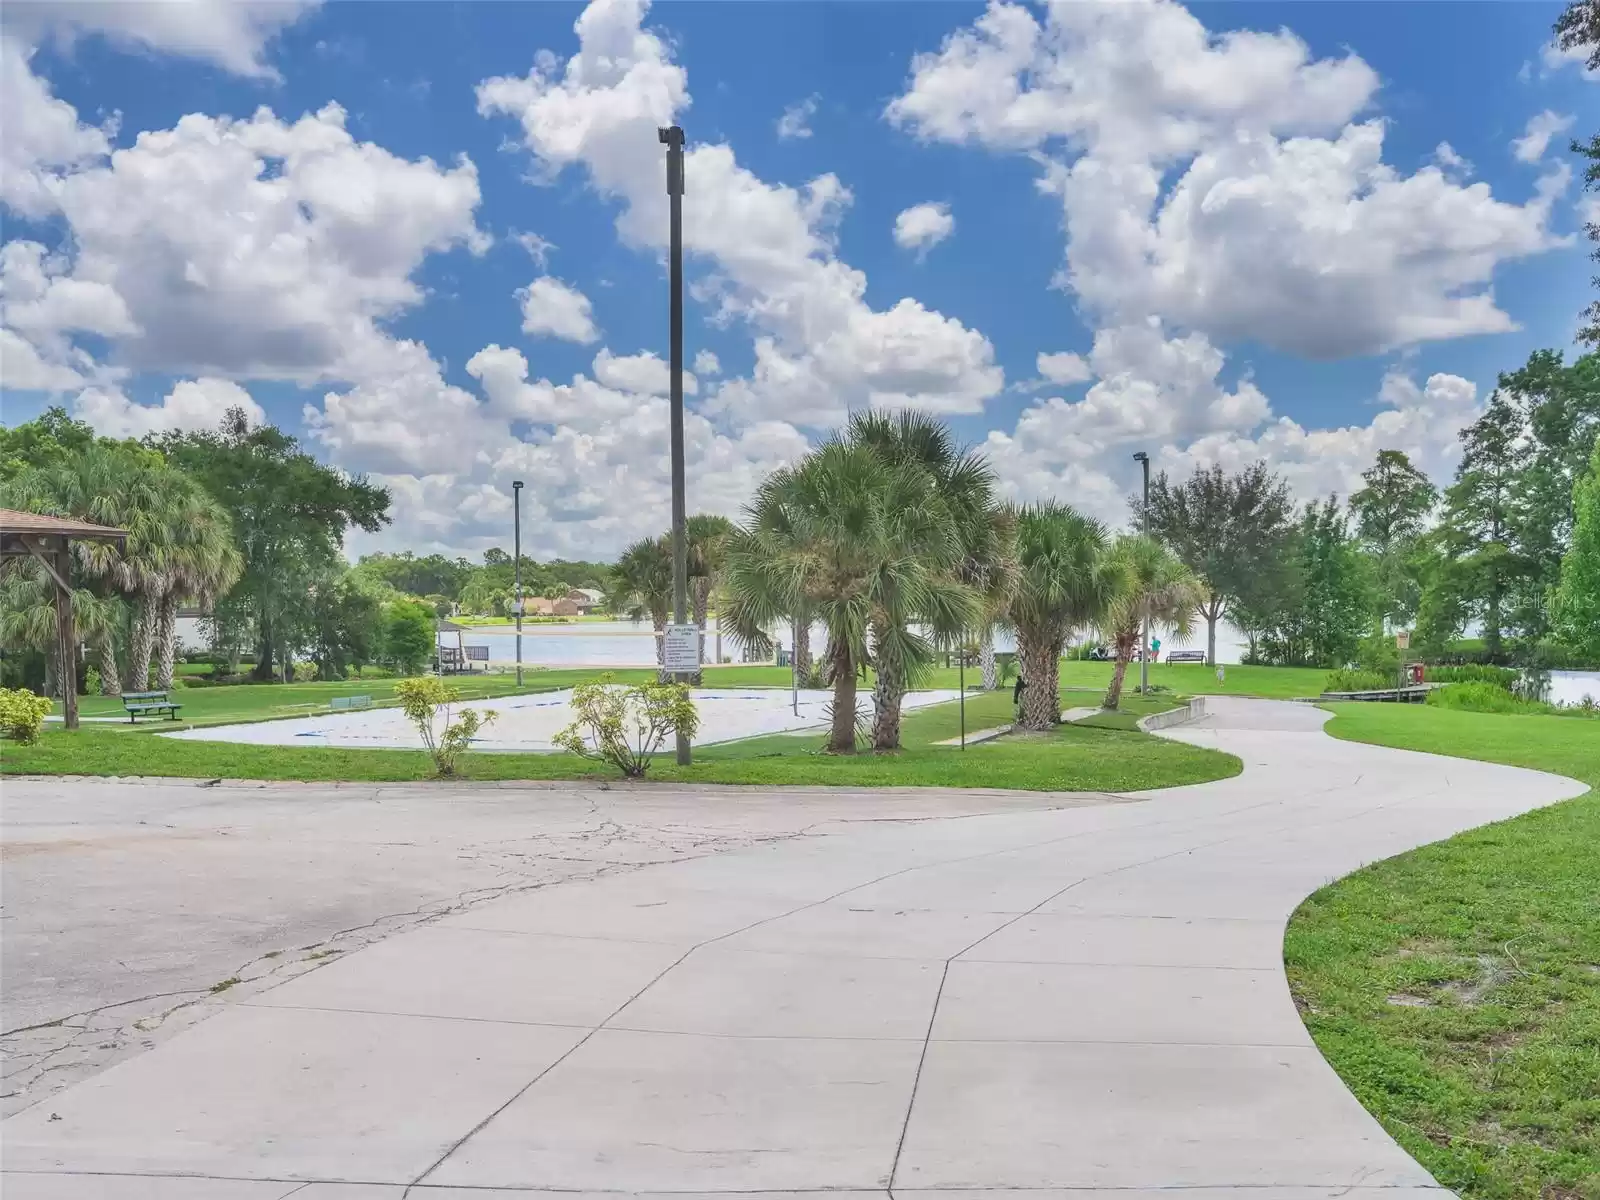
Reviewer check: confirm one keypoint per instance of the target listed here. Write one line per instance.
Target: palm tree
(127, 488)
(864, 545)
(1063, 581)
(28, 618)
(1152, 585)
(706, 535)
(203, 564)
(641, 583)
(962, 485)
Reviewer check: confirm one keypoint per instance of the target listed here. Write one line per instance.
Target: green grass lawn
(1456, 988)
(1193, 679)
(1072, 758)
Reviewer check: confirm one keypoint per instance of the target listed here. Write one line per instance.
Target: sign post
(681, 648)
(1402, 642)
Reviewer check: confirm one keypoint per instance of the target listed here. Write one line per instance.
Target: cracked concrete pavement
(125, 903)
(1040, 1000)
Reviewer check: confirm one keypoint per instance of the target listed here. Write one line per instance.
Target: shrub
(1351, 679)
(1379, 654)
(1501, 677)
(625, 726)
(408, 635)
(22, 714)
(91, 681)
(427, 699)
(1487, 698)
(1007, 668)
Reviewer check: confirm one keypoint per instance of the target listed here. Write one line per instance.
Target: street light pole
(672, 138)
(1144, 650)
(516, 550)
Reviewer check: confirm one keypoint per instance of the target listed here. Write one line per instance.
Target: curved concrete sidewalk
(1086, 998)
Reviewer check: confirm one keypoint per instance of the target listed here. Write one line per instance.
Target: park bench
(346, 703)
(1186, 656)
(143, 704)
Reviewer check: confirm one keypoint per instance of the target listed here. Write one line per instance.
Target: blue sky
(407, 77)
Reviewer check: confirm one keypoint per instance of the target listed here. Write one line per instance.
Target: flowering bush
(625, 726)
(22, 714)
(427, 700)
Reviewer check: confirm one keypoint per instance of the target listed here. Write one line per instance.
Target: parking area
(126, 903)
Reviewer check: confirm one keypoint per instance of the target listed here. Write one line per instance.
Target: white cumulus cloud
(1535, 140)
(643, 373)
(769, 248)
(1224, 183)
(796, 119)
(923, 226)
(1063, 368)
(232, 34)
(551, 308)
(192, 404)
(1555, 58)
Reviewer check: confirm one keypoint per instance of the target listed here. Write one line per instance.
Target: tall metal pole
(672, 139)
(1144, 635)
(961, 668)
(516, 550)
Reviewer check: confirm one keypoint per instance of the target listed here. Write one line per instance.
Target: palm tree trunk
(991, 669)
(887, 693)
(830, 663)
(842, 738)
(110, 676)
(141, 642)
(1037, 656)
(1125, 641)
(166, 640)
(702, 598)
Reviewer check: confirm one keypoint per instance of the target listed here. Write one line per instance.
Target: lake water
(609, 644)
(632, 644)
(1570, 687)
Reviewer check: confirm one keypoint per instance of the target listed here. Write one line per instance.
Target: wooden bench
(346, 703)
(143, 704)
(1186, 656)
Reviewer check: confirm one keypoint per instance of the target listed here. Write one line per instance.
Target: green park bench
(347, 703)
(144, 704)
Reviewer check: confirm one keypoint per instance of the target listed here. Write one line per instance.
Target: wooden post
(66, 639)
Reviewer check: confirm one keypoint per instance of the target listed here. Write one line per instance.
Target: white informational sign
(682, 646)
(1402, 640)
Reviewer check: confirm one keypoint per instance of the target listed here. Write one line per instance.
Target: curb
(1193, 711)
